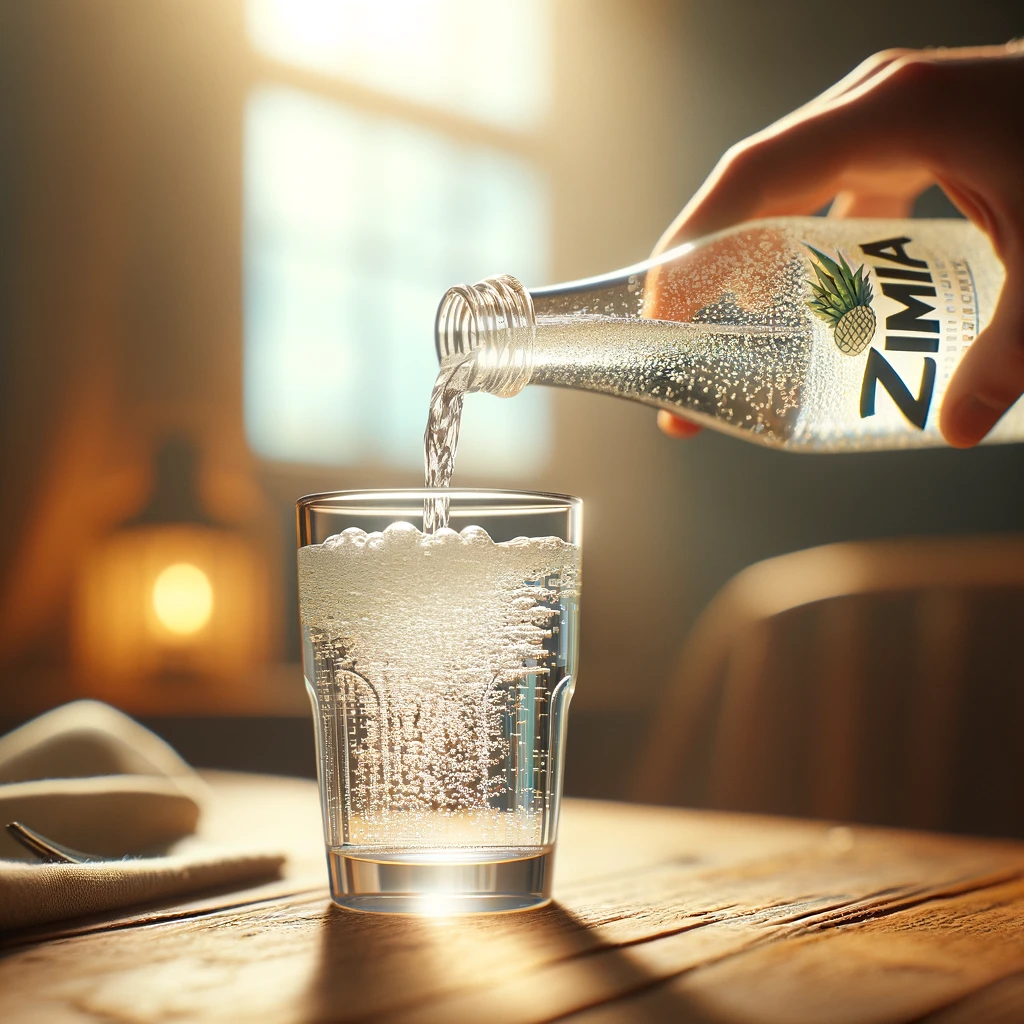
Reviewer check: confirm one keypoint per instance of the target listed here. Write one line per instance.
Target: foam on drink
(420, 607)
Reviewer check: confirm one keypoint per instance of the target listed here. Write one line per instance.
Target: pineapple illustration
(842, 299)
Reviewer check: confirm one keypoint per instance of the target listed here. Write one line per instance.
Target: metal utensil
(48, 851)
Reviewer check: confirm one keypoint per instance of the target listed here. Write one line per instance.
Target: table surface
(660, 914)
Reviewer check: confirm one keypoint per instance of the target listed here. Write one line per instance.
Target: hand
(900, 122)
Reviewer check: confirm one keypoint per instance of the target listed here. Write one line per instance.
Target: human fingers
(990, 377)
(676, 426)
(798, 165)
(878, 62)
(882, 195)
(864, 71)
(871, 204)
(682, 227)
(885, 115)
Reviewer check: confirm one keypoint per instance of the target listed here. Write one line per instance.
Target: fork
(47, 850)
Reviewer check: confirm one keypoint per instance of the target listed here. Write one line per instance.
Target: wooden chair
(880, 682)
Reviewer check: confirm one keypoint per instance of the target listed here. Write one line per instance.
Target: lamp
(172, 606)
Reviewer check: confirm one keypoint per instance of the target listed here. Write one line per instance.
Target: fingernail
(974, 417)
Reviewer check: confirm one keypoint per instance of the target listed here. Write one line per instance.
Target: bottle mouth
(495, 319)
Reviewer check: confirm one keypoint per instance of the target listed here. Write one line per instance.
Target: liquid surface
(441, 881)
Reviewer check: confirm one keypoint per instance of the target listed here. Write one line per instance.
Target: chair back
(880, 682)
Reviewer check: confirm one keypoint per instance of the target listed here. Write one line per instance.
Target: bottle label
(899, 315)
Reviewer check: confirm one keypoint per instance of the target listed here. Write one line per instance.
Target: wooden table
(660, 914)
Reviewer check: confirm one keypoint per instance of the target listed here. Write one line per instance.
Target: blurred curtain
(64, 129)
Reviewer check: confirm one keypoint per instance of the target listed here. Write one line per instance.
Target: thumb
(990, 378)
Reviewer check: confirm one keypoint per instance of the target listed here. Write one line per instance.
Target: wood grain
(660, 915)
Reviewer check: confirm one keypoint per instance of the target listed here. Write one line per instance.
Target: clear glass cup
(440, 669)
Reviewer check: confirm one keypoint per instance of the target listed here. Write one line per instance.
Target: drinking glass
(440, 669)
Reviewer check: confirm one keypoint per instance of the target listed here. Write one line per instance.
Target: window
(358, 215)
(484, 60)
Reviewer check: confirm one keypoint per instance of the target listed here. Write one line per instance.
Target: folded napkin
(89, 777)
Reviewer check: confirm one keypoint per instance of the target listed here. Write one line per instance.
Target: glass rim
(328, 501)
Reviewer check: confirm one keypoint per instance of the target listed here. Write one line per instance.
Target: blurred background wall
(226, 228)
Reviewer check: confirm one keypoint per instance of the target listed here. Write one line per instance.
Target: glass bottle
(802, 333)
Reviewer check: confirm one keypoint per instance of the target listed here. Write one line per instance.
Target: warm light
(183, 598)
(435, 905)
(438, 53)
(172, 601)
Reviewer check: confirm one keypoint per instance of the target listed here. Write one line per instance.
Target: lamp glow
(183, 598)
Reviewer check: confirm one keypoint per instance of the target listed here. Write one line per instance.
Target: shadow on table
(545, 963)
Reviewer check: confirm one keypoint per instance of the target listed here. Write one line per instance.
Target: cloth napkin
(89, 777)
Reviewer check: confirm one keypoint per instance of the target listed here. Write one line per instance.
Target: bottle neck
(494, 319)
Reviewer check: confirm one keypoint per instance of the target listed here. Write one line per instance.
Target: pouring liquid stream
(441, 439)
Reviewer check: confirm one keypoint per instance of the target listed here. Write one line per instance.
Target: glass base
(441, 881)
